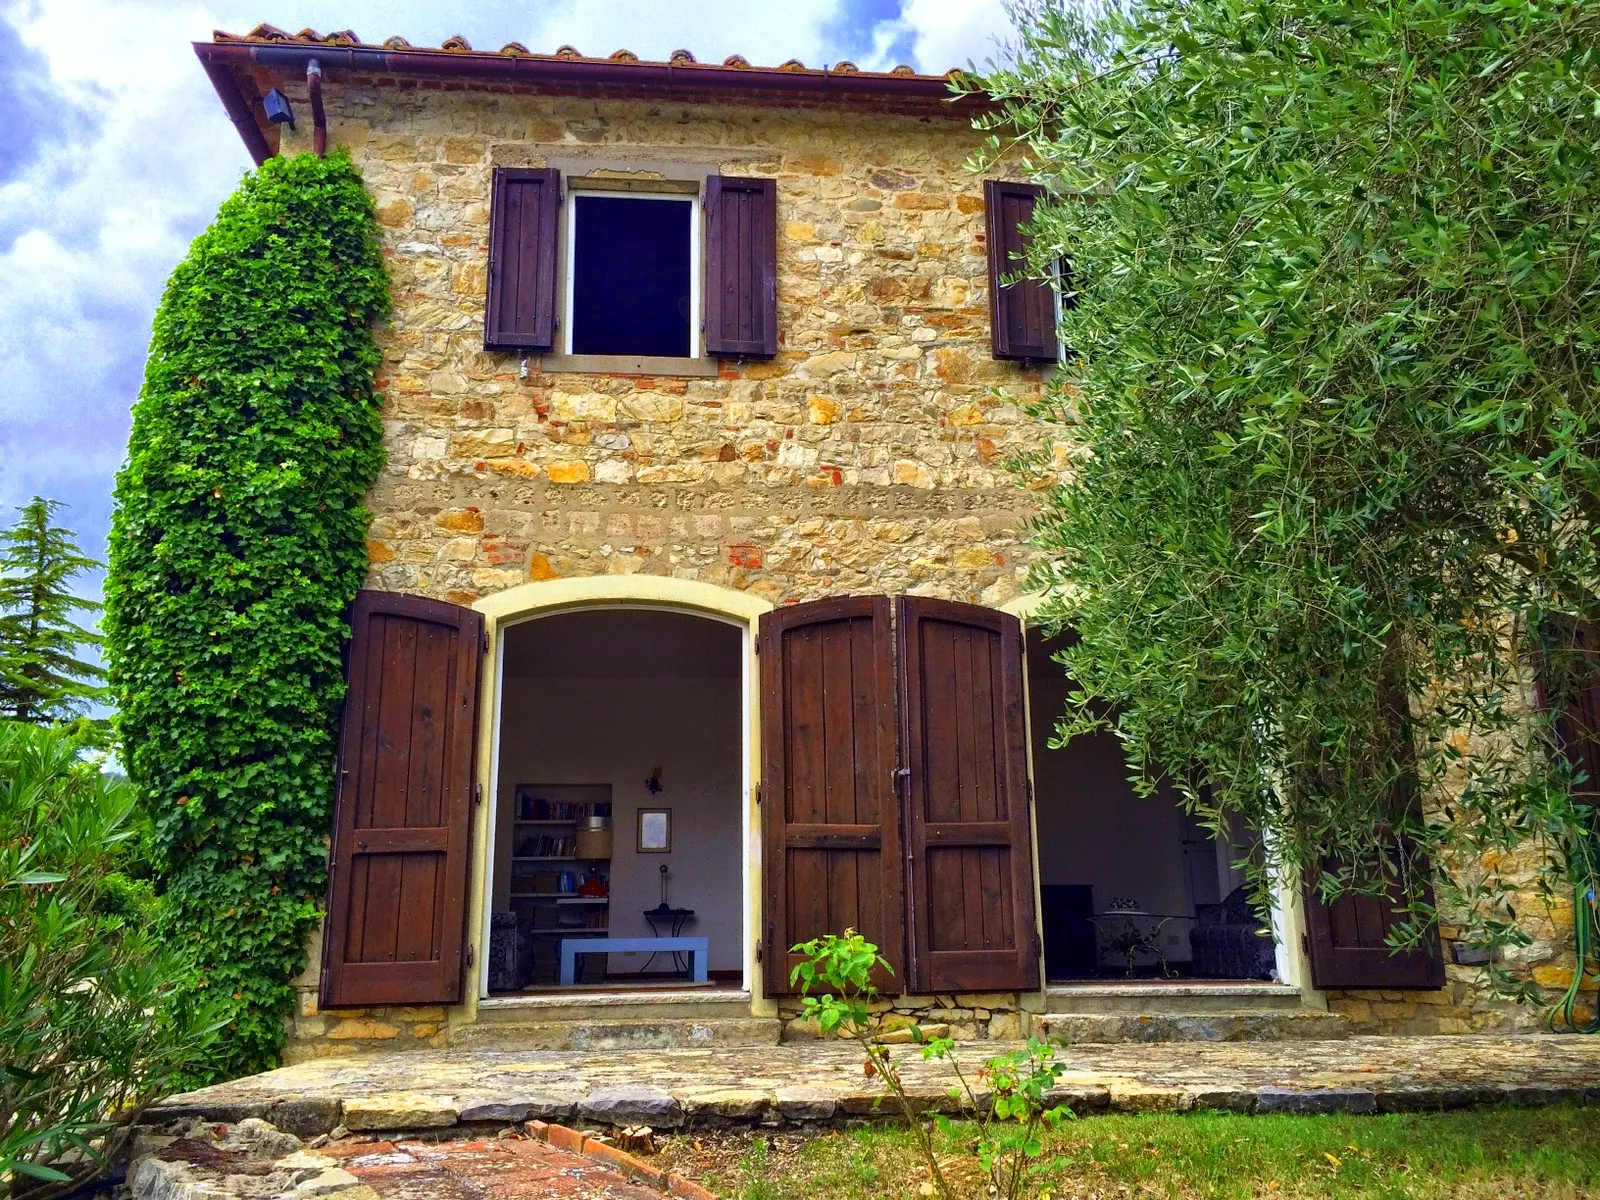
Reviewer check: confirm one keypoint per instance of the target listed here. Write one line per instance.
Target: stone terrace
(794, 1084)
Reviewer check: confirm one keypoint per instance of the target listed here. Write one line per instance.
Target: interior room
(619, 802)
(1130, 886)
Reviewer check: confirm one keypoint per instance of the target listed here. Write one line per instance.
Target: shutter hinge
(469, 954)
(484, 636)
(477, 792)
(1305, 944)
(758, 793)
(1030, 792)
(758, 949)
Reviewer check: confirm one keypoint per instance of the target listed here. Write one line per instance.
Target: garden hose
(1585, 918)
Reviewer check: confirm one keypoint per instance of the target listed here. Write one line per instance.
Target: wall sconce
(279, 110)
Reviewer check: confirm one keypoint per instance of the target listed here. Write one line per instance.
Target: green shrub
(1010, 1098)
(237, 543)
(87, 1039)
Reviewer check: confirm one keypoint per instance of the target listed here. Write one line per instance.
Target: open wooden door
(830, 825)
(1346, 942)
(968, 835)
(397, 892)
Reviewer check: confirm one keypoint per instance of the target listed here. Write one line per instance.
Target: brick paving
(804, 1083)
(501, 1169)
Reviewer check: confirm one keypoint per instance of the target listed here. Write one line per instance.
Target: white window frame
(570, 221)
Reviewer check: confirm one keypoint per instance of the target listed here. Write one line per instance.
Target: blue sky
(114, 154)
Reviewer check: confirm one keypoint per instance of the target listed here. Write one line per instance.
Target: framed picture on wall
(655, 831)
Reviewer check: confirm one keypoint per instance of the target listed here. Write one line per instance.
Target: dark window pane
(630, 286)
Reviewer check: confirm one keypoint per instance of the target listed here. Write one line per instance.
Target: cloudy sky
(114, 153)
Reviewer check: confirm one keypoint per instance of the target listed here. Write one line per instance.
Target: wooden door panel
(968, 828)
(402, 814)
(831, 835)
(1346, 942)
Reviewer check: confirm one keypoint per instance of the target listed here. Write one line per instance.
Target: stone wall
(961, 1016)
(869, 455)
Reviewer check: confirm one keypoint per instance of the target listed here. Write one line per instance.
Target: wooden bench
(697, 948)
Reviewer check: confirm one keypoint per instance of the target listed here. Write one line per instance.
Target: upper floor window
(633, 274)
(608, 277)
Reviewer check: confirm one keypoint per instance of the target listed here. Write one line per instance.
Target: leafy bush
(87, 1039)
(237, 543)
(1010, 1098)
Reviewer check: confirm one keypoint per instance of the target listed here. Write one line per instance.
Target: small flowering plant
(1009, 1097)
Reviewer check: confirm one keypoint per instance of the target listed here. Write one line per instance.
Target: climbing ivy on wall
(237, 542)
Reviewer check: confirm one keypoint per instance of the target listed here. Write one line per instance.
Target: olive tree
(1333, 304)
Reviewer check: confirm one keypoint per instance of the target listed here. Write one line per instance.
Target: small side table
(1133, 931)
(673, 920)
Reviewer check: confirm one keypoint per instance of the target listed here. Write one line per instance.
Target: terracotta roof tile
(264, 33)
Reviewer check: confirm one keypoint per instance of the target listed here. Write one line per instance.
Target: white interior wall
(1094, 828)
(643, 707)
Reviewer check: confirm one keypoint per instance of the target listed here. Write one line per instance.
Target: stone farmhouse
(696, 623)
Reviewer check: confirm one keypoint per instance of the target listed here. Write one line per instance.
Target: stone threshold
(1157, 988)
(538, 1000)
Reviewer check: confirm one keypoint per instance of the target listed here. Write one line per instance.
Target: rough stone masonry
(868, 455)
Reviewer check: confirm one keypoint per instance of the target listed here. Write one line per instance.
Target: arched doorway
(618, 743)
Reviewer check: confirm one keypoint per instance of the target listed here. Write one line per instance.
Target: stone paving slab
(798, 1083)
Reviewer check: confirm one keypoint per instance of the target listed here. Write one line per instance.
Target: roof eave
(587, 74)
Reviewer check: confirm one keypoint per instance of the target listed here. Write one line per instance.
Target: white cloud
(944, 33)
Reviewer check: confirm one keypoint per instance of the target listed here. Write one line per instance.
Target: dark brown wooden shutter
(1567, 678)
(1346, 940)
(397, 897)
(831, 829)
(1022, 314)
(968, 832)
(524, 216)
(741, 267)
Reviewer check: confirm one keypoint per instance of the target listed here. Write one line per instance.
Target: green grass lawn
(1512, 1154)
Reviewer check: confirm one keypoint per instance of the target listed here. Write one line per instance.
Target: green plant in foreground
(237, 543)
(87, 1038)
(1009, 1099)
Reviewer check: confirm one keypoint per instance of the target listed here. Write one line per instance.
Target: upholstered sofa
(1228, 941)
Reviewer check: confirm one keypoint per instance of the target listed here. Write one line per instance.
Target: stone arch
(529, 600)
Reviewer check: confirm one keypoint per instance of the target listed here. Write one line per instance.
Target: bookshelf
(555, 847)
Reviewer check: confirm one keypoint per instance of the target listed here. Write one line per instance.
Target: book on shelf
(533, 807)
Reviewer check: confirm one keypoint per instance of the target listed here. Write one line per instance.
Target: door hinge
(477, 792)
(469, 954)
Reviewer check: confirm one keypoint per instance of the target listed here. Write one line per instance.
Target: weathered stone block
(632, 1106)
(399, 1110)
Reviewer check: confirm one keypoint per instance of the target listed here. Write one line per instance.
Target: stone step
(1171, 999)
(614, 1006)
(1246, 1026)
(607, 1032)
